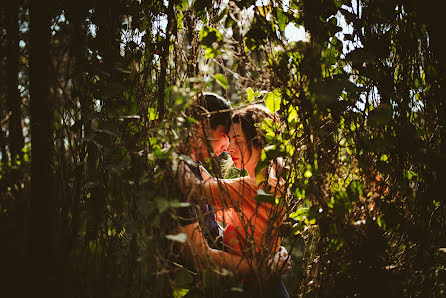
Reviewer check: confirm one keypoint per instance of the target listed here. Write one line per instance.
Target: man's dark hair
(213, 107)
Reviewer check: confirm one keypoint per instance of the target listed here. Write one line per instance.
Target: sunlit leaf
(210, 39)
(221, 80)
(250, 94)
(184, 4)
(260, 178)
(264, 197)
(308, 174)
(179, 293)
(152, 114)
(181, 237)
(264, 10)
(282, 19)
(273, 100)
(298, 228)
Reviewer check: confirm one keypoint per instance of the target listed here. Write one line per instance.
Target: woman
(251, 226)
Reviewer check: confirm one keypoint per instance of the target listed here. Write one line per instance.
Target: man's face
(219, 139)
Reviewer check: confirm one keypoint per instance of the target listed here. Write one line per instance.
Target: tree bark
(76, 14)
(12, 69)
(164, 58)
(41, 212)
(3, 97)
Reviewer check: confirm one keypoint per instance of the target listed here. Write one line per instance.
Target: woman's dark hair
(250, 119)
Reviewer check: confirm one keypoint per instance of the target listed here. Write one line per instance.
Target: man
(208, 138)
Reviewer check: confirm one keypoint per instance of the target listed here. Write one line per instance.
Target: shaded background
(91, 95)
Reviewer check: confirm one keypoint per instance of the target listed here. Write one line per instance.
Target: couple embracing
(250, 244)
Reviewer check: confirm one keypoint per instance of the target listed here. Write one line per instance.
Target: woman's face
(238, 146)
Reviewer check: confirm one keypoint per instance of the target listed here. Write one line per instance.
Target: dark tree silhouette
(92, 111)
(42, 211)
(12, 70)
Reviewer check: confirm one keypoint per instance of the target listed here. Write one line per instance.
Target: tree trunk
(41, 213)
(3, 97)
(164, 58)
(76, 14)
(12, 71)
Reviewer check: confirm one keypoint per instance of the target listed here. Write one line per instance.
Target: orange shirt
(251, 226)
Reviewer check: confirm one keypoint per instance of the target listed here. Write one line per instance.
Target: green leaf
(179, 293)
(250, 94)
(336, 243)
(292, 115)
(294, 4)
(261, 165)
(180, 237)
(152, 114)
(264, 197)
(308, 174)
(256, 36)
(355, 189)
(184, 4)
(159, 153)
(229, 21)
(298, 228)
(282, 19)
(162, 204)
(381, 222)
(176, 204)
(263, 155)
(341, 203)
(208, 37)
(259, 178)
(221, 80)
(338, 3)
(183, 279)
(300, 214)
(273, 100)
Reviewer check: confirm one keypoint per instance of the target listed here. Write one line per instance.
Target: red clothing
(251, 226)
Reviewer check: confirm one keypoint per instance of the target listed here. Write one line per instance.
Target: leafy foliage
(363, 142)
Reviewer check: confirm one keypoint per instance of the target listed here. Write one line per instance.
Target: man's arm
(199, 254)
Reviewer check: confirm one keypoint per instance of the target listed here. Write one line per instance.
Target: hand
(281, 262)
(204, 173)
